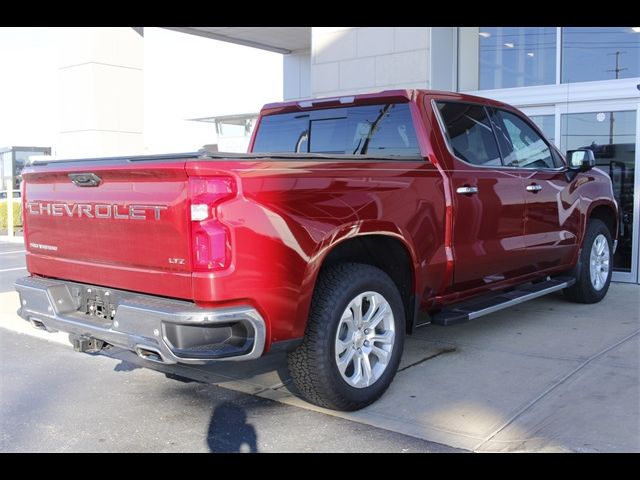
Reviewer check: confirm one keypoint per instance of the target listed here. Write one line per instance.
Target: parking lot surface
(547, 375)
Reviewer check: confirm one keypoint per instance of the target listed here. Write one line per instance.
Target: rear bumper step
(478, 307)
(156, 328)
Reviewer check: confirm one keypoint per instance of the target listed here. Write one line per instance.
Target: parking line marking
(12, 269)
(13, 251)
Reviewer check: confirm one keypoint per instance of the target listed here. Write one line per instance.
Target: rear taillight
(211, 240)
(23, 203)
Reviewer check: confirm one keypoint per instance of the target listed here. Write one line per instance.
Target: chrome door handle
(467, 190)
(534, 188)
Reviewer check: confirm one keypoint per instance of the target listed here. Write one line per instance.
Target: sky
(185, 76)
(27, 92)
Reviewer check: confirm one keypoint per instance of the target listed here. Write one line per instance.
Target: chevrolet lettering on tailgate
(96, 210)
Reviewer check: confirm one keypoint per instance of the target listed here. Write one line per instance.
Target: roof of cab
(405, 95)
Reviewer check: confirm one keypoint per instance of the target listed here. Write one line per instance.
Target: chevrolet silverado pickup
(350, 222)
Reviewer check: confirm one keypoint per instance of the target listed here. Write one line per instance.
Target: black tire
(313, 366)
(583, 290)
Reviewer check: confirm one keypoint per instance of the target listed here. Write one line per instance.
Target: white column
(296, 75)
(443, 58)
(100, 91)
(468, 58)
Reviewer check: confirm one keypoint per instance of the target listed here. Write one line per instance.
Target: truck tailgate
(130, 231)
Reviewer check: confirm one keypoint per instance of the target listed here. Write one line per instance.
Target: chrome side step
(478, 307)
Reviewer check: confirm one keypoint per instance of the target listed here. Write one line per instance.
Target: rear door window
(470, 134)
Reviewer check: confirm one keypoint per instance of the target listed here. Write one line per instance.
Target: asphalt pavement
(11, 264)
(53, 399)
(547, 375)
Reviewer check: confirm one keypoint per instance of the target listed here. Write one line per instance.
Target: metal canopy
(275, 39)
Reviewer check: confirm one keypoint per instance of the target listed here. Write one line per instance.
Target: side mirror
(581, 160)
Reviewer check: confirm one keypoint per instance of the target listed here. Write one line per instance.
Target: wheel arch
(384, 249)
(606, 212)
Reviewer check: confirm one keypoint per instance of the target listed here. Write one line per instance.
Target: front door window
(522, 145)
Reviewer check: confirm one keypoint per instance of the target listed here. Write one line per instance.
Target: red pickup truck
(351, 222)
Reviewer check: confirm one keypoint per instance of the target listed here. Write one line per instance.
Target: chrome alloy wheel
(365, 339)
(599, 262)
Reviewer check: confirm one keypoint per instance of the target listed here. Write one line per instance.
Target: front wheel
(594, 274)
(354, 338)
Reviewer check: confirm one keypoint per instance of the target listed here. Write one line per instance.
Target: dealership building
(581, 85)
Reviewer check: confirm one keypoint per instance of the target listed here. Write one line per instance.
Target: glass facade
(526, 56)
(605, 116)
(14, 159)
(548, 59)
(20, 159)
(600, 53)
(546, 123)
(611, 136)
(516, 56)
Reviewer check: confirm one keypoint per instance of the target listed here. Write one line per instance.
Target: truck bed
(284, 208)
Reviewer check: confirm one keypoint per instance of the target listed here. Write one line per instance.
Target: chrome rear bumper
(174, 331)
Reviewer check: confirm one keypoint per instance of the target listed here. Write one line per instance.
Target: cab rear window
(378, 130)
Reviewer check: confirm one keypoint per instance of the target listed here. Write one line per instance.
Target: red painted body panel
(552, 222)
(128, 254)
(505, 235)
(286, 216)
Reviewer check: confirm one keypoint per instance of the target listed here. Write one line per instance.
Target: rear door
(488, 201)
(552, 217)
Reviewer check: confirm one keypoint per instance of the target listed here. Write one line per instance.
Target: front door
(552, 217)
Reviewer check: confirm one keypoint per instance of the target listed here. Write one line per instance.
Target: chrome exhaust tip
(149, 353)
(37, 324)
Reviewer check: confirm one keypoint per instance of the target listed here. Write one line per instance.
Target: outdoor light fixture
(509, 45)
(530, 54)
(484, 34)
(636, 29)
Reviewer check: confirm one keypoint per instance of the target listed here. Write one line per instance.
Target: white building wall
(364, 59)
(100, 91)
(296, 81)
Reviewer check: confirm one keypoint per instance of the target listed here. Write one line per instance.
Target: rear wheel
(593, 275)
(353, 340)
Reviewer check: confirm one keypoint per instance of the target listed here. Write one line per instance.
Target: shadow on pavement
(229, 431)
(125, 366)
(252, 376)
